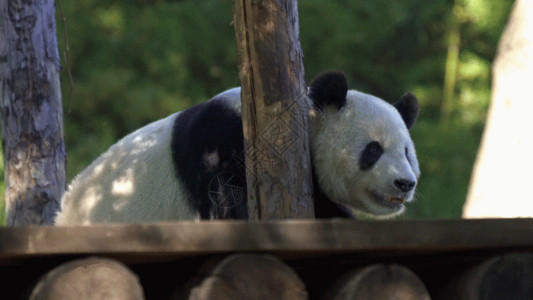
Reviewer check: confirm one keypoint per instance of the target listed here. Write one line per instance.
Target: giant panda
(189, 166)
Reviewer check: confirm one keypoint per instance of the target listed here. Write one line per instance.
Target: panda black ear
(329, 88)
(408, 108)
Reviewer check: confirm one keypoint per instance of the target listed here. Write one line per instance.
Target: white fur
(231, 97)
(133, 181)
(338, 137)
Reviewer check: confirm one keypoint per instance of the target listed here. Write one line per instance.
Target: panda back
(133, 181)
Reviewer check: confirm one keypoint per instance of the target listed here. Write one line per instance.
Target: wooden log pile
(446, 259)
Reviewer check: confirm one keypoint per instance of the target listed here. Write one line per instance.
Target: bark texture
(277, 153)
(31, 112)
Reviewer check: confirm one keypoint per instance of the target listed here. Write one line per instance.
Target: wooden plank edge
(410, 237)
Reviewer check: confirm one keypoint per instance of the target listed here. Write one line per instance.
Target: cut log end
(90, 278)
(250, 276)
(379, 282)
(501, 277)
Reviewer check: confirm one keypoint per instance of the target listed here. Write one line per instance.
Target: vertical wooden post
(31, 112)
(273, 102)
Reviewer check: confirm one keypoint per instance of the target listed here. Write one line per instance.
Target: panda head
(363, 156)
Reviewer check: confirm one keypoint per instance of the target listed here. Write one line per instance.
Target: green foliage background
(137, 61)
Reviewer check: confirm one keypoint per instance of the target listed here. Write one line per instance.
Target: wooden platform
(287, 238)
(308, 246)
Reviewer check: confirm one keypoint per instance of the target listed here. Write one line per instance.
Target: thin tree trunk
(452, 64)
(501, 181)
(274, 97)
(31, 112)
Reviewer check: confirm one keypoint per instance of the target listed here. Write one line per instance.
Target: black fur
(215, 192)
(328, 89)
(370, 155)
(324, 207)
(408, 108)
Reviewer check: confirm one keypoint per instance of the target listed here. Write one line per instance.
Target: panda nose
(404, 185)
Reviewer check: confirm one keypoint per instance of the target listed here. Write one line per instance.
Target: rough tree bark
(271, 68)
(31, 112)
(500, 185)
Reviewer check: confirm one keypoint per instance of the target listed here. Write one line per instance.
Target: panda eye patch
(370, 155)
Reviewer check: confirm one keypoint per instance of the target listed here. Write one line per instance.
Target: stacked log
(89, 278)
(379, 281)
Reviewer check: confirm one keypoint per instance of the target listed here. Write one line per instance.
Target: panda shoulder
(230, 98)
(207, 142)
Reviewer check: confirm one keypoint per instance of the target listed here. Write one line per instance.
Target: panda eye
(374, 148)
(370, 155)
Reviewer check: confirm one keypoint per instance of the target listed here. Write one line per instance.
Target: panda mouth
(386, 200)
(392, 199)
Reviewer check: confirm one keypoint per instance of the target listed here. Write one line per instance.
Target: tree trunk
(452, 65)
(500, 185)
(31, 112)
(277, 151)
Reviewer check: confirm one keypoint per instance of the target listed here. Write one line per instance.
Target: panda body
(190, 165)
